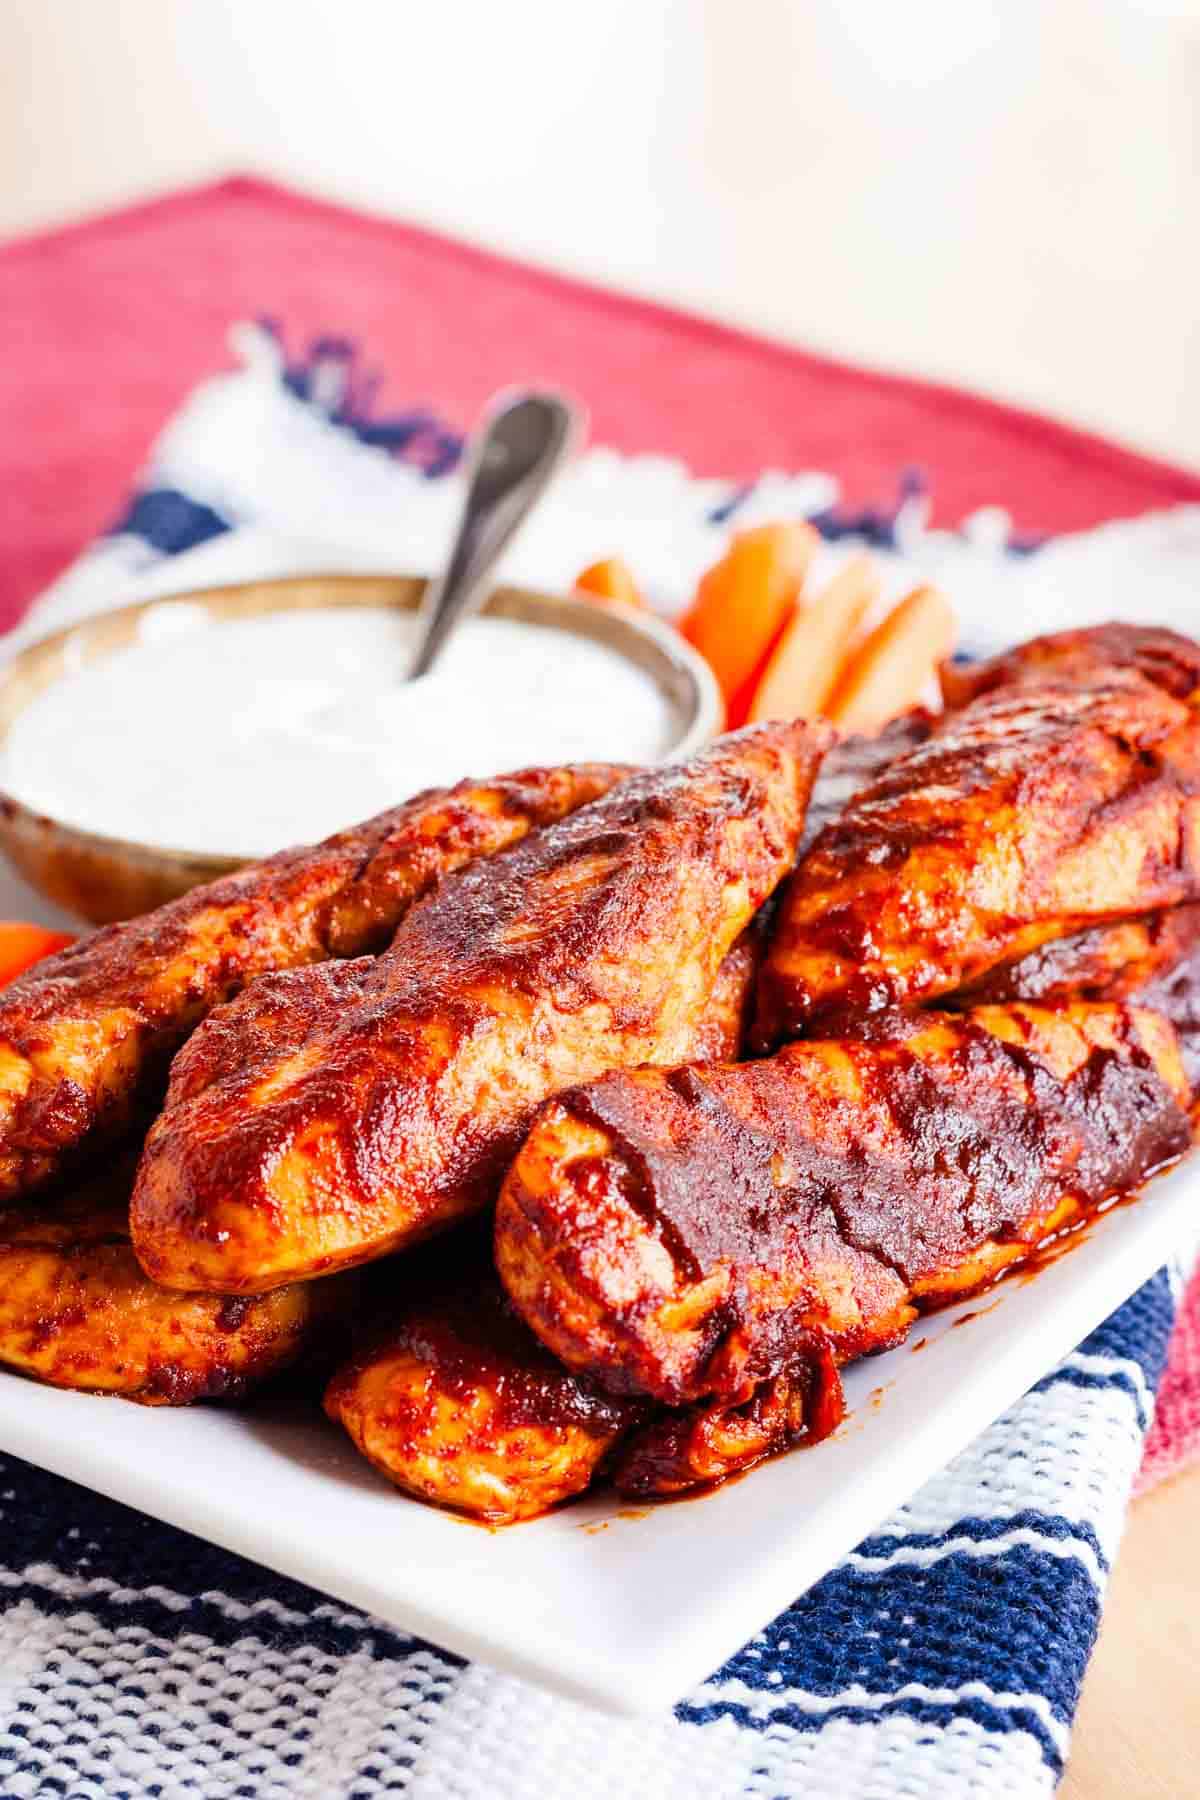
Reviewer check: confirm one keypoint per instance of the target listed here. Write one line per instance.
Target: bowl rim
(692, 689)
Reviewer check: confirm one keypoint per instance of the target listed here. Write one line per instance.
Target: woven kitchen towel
(109, 323)
(942, 1658)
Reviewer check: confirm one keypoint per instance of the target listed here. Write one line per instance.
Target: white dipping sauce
(245, 735)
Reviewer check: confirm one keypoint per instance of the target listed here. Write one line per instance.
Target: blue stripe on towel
(936, 1712)
(985, 1531)
(959, 1620)
(168, 521)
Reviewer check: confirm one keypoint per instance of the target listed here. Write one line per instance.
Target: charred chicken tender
(86, 1036)
(461, 1406)
(1154, 959)
(337, 1113)
(1036, 811)
(1166, 658)
(703, 1445)
(76, 1311)
(457, 1402)
(725, 1017)
(688, 1233)
(856, 761)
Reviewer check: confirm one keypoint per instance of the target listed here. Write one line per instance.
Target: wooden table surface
(1137, 1733)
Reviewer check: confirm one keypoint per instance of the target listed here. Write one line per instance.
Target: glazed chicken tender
(702, 1445)
(457, 1402)
(1166, 658)
(1153, 960)
(1036, 811)
(688, 1234)
(337, 1113)
(86, 1036)
(76, 1311)
(855, 762)
(461, 1406)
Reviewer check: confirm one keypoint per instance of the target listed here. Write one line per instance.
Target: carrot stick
(889, 669)
(23, 944)
(611, 579)
(803, 669)
(743, 601)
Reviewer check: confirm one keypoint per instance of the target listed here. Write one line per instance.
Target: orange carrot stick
(890, 668)
(611, 579)
(743, 601)
(804, 666)
(23, 944)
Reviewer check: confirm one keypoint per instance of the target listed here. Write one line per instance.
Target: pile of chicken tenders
(581, 1124)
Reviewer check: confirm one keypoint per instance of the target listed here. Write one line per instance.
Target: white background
(1004, 194)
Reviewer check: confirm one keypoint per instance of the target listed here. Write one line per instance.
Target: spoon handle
(511, 462)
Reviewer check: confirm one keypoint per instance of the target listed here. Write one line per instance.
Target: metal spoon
(521, 445)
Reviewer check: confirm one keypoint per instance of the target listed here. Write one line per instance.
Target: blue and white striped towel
(943, 1658)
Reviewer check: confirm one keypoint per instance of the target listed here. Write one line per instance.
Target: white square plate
(623, 1608)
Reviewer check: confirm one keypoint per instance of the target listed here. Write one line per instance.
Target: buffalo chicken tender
(457, 1402)
(703, 1445)
(461, 1406)
(688, 1234)
(1153, 960)
(1166, 658)
(856, 761)
(86, 1036)
(338, 1113)
(1035, 812)
(76, 1311)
